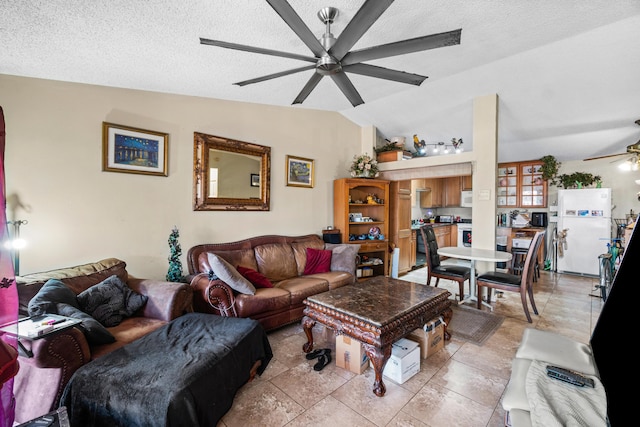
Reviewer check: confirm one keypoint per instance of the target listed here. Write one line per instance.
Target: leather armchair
(42, 377)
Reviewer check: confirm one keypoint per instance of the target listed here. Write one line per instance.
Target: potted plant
(549, 169)
(578, 179)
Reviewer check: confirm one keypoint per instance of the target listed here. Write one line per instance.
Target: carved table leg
(447, 315)
(308, 324)
(378, 357)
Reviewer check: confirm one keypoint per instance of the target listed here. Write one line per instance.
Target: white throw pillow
(343, 256)
(228, 274)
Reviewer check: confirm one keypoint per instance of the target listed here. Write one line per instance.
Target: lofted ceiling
(566, 72)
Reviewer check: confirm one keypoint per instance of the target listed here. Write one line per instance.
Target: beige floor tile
(437, 406)
(261, 403)
(307, 386)
(474, 383)
(358, 395)
(403, 419)
(330, 412)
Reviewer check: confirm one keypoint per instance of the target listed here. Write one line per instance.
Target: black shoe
(317, 353)
(323, 361)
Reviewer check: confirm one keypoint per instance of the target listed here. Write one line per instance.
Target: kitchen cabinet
(414, 247)
(452, 186)
(400, 222)
(432, 198)
(416, 184)
(467, 182)
(358, 217)
(520, 185)
(443, 235)
(444, 192)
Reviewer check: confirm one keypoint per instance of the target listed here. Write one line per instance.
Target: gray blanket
(183, 374)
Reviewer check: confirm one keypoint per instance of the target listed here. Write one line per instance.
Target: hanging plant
(578, 180)
(549, 169)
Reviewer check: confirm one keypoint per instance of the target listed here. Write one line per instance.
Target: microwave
(466, 199)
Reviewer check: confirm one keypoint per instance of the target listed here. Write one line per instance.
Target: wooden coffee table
(377, 312)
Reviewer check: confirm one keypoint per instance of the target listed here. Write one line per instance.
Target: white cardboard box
(350, 355)
(430, 337)
(404, 361)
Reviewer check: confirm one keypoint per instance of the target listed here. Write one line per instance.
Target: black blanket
(183, 374)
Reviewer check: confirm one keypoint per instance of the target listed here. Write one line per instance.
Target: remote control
(568, 376)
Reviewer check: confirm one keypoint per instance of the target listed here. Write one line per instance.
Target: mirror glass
(230, 174)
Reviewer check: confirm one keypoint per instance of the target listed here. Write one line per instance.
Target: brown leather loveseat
(42, 378)
(280, 259)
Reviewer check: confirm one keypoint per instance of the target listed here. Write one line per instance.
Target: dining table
(474, 254)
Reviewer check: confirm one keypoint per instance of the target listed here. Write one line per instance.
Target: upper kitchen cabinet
(432, 198)
(508, 185)
(520, 185)
(452, 186)
(533, 189)
(467, 183)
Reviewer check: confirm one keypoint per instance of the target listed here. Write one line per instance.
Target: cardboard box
(350, 355)
(404, 361)
(430, 337)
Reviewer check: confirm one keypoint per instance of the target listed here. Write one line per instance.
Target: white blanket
(557, 403)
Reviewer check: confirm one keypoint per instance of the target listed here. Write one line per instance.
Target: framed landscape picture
(132, 150)
(299, 172)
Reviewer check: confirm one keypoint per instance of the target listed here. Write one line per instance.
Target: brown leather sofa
(282, 260)
(43, 377)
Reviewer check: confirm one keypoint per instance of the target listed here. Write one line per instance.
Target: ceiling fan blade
(306, 90)
(288, 15)
(417, 44)
(604, 157)
(274, 75)
(345, 85)
(361, 22)
(385, 73)
(253, 49)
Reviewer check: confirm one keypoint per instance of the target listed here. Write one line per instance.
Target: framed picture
(255, 180)
(131, 150)
(299, 172)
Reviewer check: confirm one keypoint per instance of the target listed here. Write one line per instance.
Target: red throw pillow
(258, 279)
(318, 261)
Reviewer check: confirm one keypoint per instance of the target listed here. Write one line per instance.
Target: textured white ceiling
(566, 71)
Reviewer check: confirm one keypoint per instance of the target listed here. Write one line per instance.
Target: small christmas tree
(175, 265)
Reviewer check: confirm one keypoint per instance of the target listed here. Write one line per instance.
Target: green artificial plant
(175, 265)
(391, 146)
(578, 180)
(550, 167)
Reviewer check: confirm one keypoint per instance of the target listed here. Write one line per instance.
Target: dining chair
(456, 273)
(522, 283)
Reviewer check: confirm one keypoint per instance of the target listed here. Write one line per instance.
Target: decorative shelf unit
(349, 205)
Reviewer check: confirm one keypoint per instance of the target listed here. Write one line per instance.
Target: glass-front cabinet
(532, 186)
(520, 185)
(507, 185)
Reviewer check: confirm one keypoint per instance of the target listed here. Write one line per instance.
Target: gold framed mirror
(224, 174)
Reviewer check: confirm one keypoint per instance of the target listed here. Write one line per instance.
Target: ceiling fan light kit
(332, 56)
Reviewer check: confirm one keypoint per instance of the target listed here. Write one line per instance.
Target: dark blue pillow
(56, 298)
(110, 301)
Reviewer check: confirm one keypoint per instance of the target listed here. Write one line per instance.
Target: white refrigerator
(585, 214)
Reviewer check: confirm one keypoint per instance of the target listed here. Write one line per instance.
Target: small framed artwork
(132, 150)
(255, 180)
(299, 172)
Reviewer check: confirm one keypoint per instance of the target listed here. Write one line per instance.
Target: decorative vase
(364, 174)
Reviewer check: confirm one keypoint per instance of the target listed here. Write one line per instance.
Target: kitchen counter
(435, 225)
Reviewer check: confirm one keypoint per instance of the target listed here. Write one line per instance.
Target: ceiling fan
(632, 162)
(332, 56)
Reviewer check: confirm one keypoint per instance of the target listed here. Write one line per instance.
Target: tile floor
(461, 385)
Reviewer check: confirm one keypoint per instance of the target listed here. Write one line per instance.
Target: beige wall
(79, 214)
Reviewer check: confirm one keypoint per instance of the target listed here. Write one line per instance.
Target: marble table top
(379, 300)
